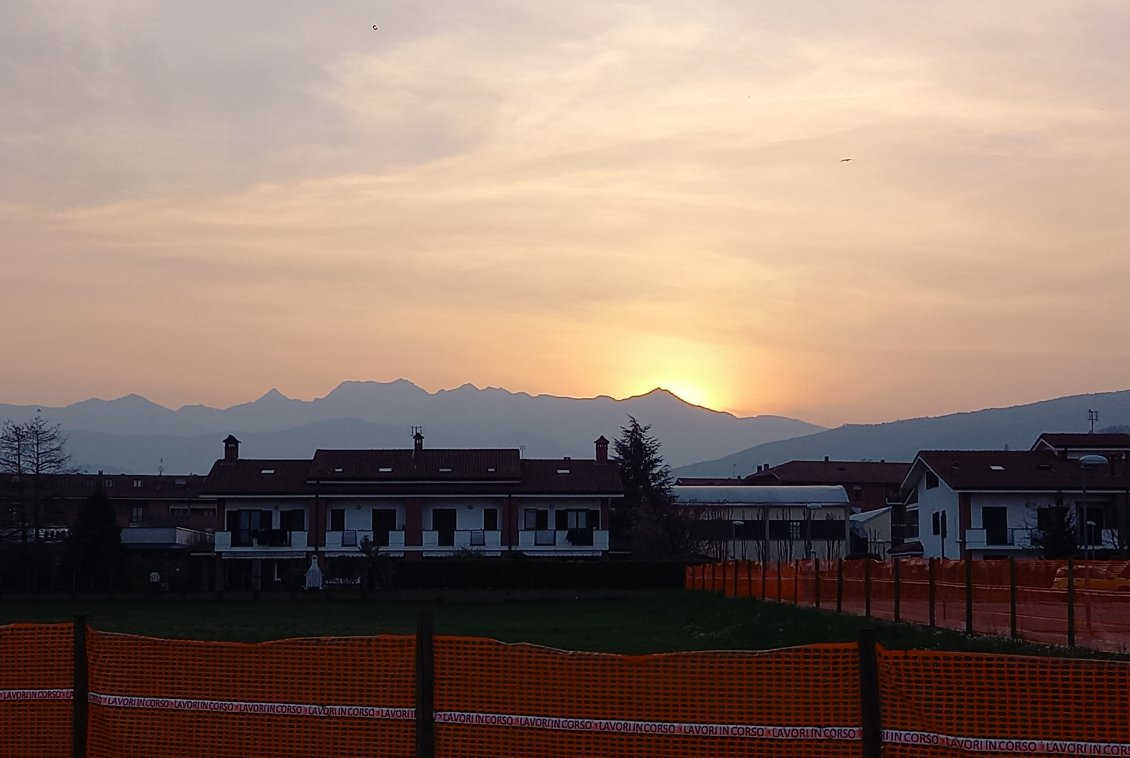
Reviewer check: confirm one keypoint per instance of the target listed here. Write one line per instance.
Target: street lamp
(809, 510)
(1085, 462)
(738, 524)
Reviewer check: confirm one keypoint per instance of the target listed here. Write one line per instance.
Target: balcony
(563, 541)
(347, 540)
(263, 541)
(998, 539)
(476, 540)
(165, 536)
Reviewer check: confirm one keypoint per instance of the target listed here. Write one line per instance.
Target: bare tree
(30, 453)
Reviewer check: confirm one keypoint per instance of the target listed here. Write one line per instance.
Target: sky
(200, 201)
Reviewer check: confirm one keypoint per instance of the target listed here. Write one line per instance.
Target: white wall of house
(1021, 510)
(468, 511)
(937, 520)
(359, 511)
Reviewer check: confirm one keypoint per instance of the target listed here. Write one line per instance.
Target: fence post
(1012, 596)
(1070, 602)
(968, 595)
(81, 690)
(763, 566)
(796, 581)
(839, 584)
(749, 578)
(870, 703)
(779, 580)
(723, 577)
(816, 581)
(425, 687)
(867, 587)
(895, 578)
(931, 577)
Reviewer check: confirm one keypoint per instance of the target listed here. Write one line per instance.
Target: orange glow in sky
(197, 204)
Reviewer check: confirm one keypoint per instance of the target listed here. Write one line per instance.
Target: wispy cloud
(579, 199)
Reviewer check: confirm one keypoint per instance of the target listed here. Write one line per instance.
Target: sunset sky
(203, 200)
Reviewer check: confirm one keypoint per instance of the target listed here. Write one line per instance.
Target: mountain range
(133, 435)
(1014, 428)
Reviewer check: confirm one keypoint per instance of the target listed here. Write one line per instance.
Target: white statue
(313, 575)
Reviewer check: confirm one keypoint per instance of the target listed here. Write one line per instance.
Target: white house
(990, 503)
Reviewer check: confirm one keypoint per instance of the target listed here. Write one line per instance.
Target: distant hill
(1013, 428)
(132, 434)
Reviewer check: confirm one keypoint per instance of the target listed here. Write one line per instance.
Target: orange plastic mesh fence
(36, 674)
(1102, 615)
(496, 699)
(355, 696)
(300, 697)
(951, 704)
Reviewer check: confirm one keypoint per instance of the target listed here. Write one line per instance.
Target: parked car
(1093, 578)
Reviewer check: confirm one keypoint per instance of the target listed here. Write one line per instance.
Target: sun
(693, 393)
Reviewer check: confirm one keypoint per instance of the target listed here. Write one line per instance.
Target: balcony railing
(264, 540)
(1016, 538)
(583, 540)
(463, 539)
(165, 536)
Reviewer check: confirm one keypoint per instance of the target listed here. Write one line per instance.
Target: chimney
(417, 439)
(601, 449)
(231, 449)
(825, 459)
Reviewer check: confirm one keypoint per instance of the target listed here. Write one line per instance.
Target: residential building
(869, 484)
(768, 523)
(415, 503)
(991, 503)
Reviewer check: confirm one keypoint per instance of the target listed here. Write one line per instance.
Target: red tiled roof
(119, 486)
(569, 477)
(431, 465)
(248, 476)
(1018, 470)
(832, 472)
(708, 481)
(1084, 441)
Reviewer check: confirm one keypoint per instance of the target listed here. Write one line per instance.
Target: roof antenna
(1092, 416)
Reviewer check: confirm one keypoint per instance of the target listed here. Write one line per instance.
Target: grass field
(658, 622)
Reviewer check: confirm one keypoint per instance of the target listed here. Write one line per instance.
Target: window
(535, 518)
(107, 483)
(137, 484)
(572, 519)
(938, 523)
(931, 480)
(383, 523)
(337, 519)
(293, 520)
(137, 515)
(794, 530)
(490, 519)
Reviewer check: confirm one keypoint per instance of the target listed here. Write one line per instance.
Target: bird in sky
(844, 160)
